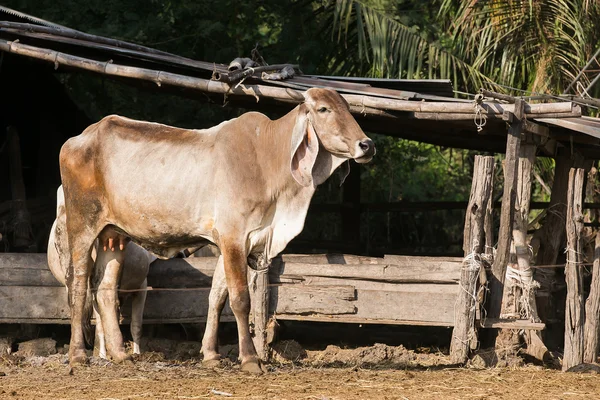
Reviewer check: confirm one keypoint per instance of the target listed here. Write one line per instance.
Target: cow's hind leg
(99, 341)
(77, 283)
(216, 302)
(137, 316)
(236, 270)
(107, 273)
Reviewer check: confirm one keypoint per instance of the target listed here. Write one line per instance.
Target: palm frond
(394, 50)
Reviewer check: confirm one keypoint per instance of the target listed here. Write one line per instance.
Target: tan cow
(244, 185)
(133, 278)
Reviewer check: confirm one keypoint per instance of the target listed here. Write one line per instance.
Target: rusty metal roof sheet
(588, 125)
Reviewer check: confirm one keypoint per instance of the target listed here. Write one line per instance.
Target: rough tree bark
(592, 310)
(473, 246)
(511, 167)
(574, 312)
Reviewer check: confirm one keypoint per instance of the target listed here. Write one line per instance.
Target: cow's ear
(305, 147)
(344, 171)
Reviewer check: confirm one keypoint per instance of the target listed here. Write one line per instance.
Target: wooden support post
(592, 310)
(550, 239)
(259, 301)
(526, 303)
(463, 335)
(574, 312)
(511, 167)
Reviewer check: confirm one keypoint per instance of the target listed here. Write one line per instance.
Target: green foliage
(413, 171)
(530, 45)
(538, 46)
(393, 46)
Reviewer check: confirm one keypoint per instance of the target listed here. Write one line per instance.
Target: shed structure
(392, 289)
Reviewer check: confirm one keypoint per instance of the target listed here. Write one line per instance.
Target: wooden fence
(334, 288)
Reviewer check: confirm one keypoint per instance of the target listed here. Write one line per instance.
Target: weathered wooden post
(574, 312)
(511, 168)
(592, 310)
(550, 238)
(464, 334)
(259, 304)
(526, 304)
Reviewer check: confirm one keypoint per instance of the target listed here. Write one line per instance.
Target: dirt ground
(373, 372)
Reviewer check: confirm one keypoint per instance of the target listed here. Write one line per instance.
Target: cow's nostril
(367, 146)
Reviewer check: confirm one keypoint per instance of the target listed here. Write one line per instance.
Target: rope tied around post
(472, 265)
(480, 118)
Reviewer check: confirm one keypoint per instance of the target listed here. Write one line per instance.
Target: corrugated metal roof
(22, 17)
(588, 125)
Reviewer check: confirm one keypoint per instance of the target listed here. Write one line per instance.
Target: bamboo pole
(280, 94)
(574, 312)
(464, 334)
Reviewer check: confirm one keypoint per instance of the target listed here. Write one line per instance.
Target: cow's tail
(88, 311)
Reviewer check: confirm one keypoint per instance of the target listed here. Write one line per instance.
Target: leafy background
(505, 45)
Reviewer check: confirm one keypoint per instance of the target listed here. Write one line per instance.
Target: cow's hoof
(252, 367)
(77, 357)
(214, 363)
(122, 358)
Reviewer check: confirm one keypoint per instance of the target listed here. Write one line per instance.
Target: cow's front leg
(216, 302)
(107, 274)
(234, 259)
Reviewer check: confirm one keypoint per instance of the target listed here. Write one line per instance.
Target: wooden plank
(30, 302)
(408, 305)
(504, 323)
(348, 319)
(386, 303)
(407, 261)
(327, 259)
(305, 299)
(417, 302)
(23, 260)
(443, 272)
(27, 277)
(574, 312)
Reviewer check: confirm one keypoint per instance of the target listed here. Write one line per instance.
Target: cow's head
(324, 123)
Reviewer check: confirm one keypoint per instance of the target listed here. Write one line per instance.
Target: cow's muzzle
(365, 151)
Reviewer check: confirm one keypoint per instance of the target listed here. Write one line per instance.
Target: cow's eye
(322, 109)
